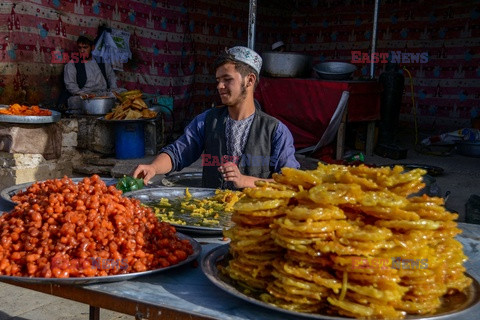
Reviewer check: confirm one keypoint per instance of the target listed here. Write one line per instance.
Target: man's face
(230, 85)
(85, 50)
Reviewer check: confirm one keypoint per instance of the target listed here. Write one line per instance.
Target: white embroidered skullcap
(247, 56)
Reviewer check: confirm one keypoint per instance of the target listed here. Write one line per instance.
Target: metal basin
(469, 148)
(286, 64)
(335, 70)
(98, 106)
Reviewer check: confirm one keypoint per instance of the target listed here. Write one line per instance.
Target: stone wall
(95, 135)
(17, 168)
(87, 147)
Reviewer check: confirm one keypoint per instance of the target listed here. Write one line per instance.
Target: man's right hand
(160, 165)
(145, 171)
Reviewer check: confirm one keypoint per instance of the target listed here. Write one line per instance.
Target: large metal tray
(185, 179)
(155, 194)
(9, 192)
(55, 117)
(459, 303)
(197, 249)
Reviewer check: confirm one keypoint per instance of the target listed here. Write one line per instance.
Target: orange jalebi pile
(21, 110)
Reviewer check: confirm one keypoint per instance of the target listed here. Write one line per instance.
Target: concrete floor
(22, 304)
(461, 177)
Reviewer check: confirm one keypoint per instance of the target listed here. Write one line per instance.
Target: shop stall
(198, 287)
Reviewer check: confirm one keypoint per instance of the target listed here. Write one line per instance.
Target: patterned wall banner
(174, 44)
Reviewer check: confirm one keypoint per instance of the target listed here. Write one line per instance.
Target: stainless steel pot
(286, 64)
(335, 70)
(98, 106)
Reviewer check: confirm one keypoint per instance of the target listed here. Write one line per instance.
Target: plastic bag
(113, 47)
(127, 184)
(465, 134)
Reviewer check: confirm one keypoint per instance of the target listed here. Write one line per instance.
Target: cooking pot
(98, 106)
(286, 64)
(335, 70)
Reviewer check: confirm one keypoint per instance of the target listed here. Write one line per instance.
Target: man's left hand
(230, 172)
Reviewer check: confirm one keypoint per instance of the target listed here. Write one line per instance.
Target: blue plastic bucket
(130, 140)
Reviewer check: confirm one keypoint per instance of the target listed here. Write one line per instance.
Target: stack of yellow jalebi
(354, 243)
(251, 245)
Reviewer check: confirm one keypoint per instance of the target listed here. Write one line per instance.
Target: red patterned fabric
(305, 106)
(364, 101)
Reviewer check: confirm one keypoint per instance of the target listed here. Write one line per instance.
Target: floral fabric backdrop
(174, 44)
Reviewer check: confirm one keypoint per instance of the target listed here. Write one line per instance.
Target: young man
(238, 143)
(87, 76)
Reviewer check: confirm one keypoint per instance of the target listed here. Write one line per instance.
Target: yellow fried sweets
(350, 241)
(251, 245)
(213, 211)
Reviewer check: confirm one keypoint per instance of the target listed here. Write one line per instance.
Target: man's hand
(230, 172)
(85, 96)
(160, 165)
(145, 171)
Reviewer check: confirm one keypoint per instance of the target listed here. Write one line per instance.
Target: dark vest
(82, 73)
(256, 158)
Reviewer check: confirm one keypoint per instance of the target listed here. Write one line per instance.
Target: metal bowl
(335, 70)
(469, 148)
(286, 64)
(98, 106)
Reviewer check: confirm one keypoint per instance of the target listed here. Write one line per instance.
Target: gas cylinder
(391, 100)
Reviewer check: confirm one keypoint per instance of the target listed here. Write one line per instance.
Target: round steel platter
(187, 179)
(197, 249)
(9, 192)
(155, 194)
(55, 117)
(456, 304)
